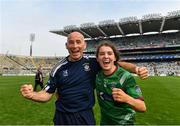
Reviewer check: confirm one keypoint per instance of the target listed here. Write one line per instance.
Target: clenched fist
(142, 72)
(119, 95)
(27, 91)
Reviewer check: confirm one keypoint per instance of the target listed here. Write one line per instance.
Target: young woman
(118, 94)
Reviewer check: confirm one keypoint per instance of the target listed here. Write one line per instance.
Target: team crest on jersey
(138, 90)
(86, 67)
(65, 73)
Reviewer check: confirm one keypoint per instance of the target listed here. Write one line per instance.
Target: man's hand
(27, 91)
(142, 72)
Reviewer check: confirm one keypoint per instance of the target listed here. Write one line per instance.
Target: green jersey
(112, 112)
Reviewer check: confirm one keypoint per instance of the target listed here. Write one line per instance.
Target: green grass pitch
(162, 97)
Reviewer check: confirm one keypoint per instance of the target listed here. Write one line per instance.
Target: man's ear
(85, 45)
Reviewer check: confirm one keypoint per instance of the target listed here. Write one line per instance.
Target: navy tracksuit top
(74, 82)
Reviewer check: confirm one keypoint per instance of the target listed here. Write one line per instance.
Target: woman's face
(106, 59)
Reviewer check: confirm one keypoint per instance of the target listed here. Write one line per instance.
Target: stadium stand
(153, 41)
(25, 65)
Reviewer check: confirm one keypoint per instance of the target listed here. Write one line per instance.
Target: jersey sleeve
(50, 85)
(132, 89)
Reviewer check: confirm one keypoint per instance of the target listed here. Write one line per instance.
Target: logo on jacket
(65, 73)
(86, 67)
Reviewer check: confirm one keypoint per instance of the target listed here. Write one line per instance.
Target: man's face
(75, 46)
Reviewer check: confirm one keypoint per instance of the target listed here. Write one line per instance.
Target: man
(38, 78)
(73, 79)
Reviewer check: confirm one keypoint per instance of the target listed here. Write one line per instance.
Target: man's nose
(75, 45)
(106, 55)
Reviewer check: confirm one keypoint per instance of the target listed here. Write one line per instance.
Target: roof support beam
(162, 25)
(120, 29)
(85, 33)
(101, 31)
(65, 33)
(140, 28)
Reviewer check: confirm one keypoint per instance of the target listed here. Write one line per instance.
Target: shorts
(85, 117)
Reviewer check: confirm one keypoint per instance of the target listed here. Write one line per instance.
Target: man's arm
(41, 96)
(141, 71)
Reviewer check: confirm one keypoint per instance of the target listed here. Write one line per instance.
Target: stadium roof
(125, 26)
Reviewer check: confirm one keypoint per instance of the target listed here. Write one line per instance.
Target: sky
(20, 18)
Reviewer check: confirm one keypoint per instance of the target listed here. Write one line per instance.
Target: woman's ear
(97, 59)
